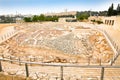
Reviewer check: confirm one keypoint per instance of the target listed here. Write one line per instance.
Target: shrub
(99, 22)
(93, 20)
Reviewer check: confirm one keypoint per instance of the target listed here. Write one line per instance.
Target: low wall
(7, 33)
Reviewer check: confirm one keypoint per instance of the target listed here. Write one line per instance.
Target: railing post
(19, 61)
(102, 73)
(111, 62)
(61, 70)
(10, 59)
(0, 66)
(26, 68)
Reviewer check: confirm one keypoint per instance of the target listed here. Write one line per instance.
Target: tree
(110, 10)
(35, 18)
(54, 18)
(48, 18)
(82, 15)
(27, 19)
(102, 13)
(41, 17)
(118, 9)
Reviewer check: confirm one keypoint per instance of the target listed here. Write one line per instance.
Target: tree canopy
(82, 15)
(39, 18)
(27, 19)
(118, 9)
(112, 12)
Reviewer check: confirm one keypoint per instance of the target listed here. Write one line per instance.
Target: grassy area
(10, 77)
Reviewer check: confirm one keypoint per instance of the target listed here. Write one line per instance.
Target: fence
(58, 65)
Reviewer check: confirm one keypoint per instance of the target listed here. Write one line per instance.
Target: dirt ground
(6, 25)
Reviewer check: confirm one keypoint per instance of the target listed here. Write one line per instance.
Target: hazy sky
(44, 6)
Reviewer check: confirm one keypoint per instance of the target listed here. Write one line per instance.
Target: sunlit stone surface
(57, 43)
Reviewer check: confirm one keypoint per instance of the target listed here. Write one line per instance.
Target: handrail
(61, 67)
(62, 64)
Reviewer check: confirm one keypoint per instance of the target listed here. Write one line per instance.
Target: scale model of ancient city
(66, 45)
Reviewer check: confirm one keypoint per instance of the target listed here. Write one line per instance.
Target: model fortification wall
(6, 33)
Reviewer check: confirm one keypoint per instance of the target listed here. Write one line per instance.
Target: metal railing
(57, 65)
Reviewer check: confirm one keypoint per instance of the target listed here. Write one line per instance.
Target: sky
(51, 6)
